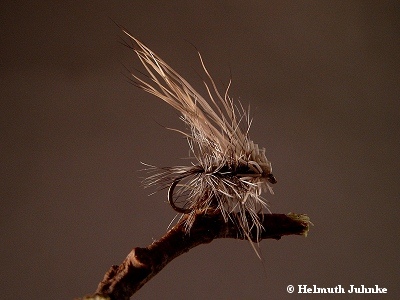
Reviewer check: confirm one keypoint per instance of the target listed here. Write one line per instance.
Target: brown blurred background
(322, 79)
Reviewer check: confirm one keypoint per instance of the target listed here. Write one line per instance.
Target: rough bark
(142, 264)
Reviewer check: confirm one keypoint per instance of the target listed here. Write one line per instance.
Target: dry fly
(229, 171)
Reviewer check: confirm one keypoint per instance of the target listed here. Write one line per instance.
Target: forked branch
(142, 264)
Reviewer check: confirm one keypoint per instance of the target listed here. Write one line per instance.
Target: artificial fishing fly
(229, 171)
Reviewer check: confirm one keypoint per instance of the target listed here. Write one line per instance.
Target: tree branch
(142, 264)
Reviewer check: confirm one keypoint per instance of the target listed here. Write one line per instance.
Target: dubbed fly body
(229, 171)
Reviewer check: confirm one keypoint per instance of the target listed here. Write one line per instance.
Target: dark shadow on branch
(142, 264)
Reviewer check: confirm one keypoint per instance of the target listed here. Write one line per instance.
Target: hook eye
(171, 199)
(271, 178)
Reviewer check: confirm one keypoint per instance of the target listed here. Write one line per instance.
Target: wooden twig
(142, 264)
